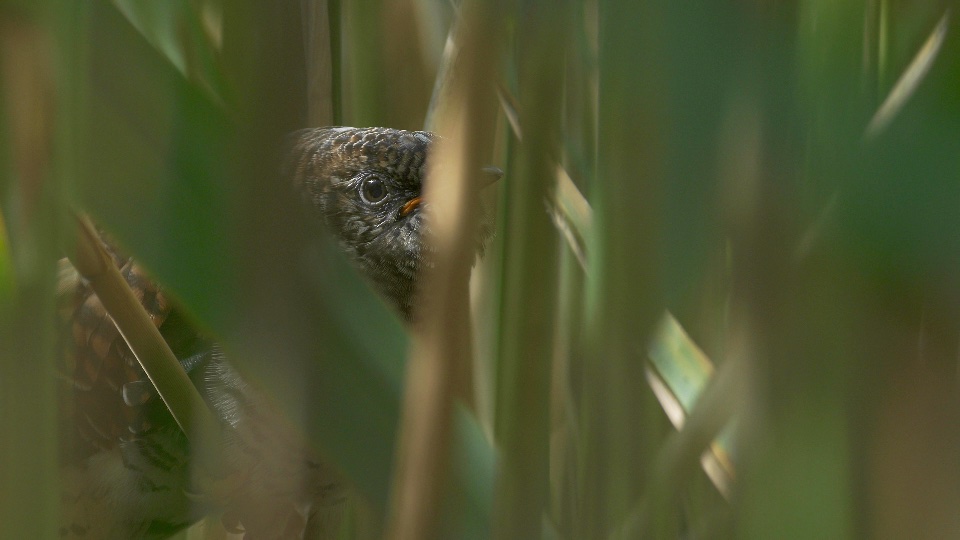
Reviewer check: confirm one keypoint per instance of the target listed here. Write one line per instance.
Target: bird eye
(373, 191)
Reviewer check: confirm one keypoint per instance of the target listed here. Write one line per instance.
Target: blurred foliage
(710, 160)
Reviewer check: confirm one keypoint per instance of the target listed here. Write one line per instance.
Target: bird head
(366, 185)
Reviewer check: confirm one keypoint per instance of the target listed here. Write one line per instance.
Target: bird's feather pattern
(127, 467)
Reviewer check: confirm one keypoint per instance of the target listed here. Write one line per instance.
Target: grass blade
(531, 266)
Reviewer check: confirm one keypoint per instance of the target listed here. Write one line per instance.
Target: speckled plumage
(127, 467)
(329, 167)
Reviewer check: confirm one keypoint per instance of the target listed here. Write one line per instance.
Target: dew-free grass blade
(910, 79)
(441, 348)
(323, 65)
(142, 336)
(177, 30)
(6, 267)
(164, 169)
(28, 233)
(679, 369)
(530, 267)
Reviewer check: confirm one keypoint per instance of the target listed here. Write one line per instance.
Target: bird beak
(490, 175)
(410, 205)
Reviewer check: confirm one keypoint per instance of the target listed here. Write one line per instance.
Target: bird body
(127, 468)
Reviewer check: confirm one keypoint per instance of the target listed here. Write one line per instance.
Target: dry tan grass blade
(141, 335)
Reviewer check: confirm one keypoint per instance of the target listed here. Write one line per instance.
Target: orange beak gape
(492, 175)
(410, 205)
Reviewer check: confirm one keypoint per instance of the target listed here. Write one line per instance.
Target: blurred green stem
(441, 336)
(625, 299)
(531, 266)
(28, 451)
(142, 336)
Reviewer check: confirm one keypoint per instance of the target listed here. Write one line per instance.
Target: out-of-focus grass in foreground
(781, 179)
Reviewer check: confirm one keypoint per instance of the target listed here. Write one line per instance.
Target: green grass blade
(29, 501)
(531, 265)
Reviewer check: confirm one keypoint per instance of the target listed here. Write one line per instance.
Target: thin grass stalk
(432, 23)
(531, 266)
(364, 99)
(264, 57)
(28, 423)
(883, 44)
(486, 297)
(179, 32)
(799, 441)
(335, 8)
(142, 336)
(447, 72)
(408, 68)
(909, 80)
(304, 315)
(620, 415)
(679, 457)
(210, 13)
(573, 218)
(580, 98)
(441, 337)
(318, 48)
(789, 310)
(300, 316)
(564, 438)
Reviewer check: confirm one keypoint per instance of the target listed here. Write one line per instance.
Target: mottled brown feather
(96, 362)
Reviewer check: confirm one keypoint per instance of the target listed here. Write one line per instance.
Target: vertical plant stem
(625, 300)
(28, 453)
(530, 282)
(441, 340)
(317, 34)
(364, 100)
(142, 336)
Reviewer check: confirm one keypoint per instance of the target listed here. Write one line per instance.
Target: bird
(127, 469)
